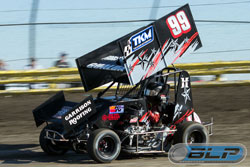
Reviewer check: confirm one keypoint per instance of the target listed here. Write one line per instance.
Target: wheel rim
(106, 146)
(195, 137)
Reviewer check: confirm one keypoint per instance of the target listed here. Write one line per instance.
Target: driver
(155, 93)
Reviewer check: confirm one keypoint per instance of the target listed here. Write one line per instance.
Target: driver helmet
(153, 89)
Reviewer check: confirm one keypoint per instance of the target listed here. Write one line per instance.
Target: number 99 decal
(178, 24)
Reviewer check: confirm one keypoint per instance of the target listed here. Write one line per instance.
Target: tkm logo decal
(142, 38)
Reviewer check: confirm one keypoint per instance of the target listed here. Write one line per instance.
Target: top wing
(143, 52)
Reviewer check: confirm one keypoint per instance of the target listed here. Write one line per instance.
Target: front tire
(47, 146)
(104, 145)
(191, 132)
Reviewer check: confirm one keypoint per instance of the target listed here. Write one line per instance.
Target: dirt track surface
(230, 108)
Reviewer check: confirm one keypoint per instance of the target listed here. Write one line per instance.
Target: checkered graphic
(127, 50)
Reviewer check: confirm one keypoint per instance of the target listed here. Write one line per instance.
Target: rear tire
(191, 132)
(104, 145)
(47, 146)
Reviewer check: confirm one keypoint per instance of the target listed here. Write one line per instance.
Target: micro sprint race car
(150, 107)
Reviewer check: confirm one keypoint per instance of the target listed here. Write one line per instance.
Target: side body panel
(184, 100)
(116, 115)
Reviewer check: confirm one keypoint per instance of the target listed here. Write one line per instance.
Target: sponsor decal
(111, 117)
(111, 58)
(207, 153)
(141, 39)
(108, 63)
(78, 114)
(106, 66)
(118, 109)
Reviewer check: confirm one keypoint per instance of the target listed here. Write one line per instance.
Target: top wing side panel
(177, 34)
(149, 50)
(142, 53)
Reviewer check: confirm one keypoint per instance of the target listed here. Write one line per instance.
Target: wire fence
(135, 8)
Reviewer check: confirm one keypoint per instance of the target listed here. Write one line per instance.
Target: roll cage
(137, 91)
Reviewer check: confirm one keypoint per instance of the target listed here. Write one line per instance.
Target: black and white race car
(151, 106)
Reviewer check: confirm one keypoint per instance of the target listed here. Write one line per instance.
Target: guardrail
(59, 75)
